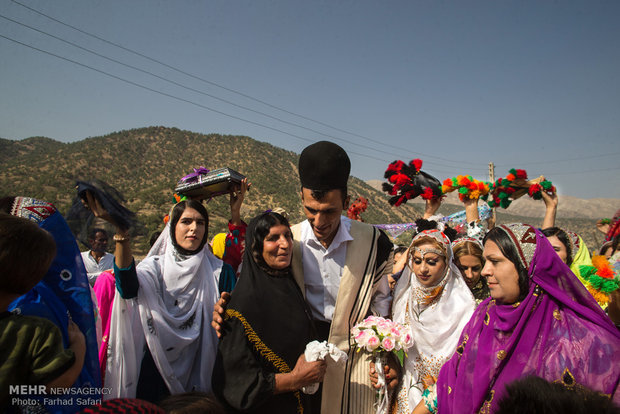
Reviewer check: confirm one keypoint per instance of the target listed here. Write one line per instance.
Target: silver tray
(212, 184)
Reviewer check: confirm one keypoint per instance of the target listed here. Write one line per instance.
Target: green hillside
(145, 164)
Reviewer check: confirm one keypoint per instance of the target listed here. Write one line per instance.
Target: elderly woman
(161, 341)
(433, 300)
(260, 367)
(540, 320)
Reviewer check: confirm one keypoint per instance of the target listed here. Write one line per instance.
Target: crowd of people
(499, 316)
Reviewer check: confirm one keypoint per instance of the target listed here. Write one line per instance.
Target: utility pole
(492, 179)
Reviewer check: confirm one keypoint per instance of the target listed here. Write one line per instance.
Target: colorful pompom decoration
(600, 279)
(357, 208)
(466, 186)
(407, 181)
(504, 190)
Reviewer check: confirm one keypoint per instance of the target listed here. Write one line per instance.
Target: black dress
(267, 326)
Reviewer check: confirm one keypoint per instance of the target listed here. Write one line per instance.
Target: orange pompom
(464, 181)
(599, 261)
(600, 297)
(510, 177)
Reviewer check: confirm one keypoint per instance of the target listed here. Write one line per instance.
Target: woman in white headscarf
(161, 341)
(432, 299)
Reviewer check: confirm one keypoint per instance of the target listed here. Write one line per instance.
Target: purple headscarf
(558, 332)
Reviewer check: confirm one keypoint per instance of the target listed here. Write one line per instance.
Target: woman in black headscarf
(260, 367)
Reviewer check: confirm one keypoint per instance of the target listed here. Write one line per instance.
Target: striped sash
(347, 389)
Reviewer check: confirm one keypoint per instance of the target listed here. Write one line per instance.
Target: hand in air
(94, 205)
(238, 194)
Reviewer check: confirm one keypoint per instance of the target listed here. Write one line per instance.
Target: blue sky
(525, 84)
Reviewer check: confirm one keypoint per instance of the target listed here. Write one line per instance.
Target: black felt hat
(324, 166)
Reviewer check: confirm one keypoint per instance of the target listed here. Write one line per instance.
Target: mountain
(145, 165)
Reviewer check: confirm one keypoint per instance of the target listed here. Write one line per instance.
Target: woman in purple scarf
(539, 320)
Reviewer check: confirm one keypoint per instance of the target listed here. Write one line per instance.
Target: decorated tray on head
(466, 186)
(514, 185)
(205, 183)
(407, 181)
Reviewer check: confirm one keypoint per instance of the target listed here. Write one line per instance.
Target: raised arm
(551, 208)
(236, 200)
(431, 208)
(471, 210)
(123, 256)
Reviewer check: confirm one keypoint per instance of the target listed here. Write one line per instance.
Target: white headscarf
(172, 315)
(435, 319)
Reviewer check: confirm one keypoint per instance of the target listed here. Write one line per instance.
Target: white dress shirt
(323, 269)
(93, 269)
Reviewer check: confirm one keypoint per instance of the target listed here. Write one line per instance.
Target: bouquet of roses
(381, 336)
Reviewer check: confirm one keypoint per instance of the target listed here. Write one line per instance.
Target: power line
(246, 96)
(584, 171)
(188, 87)
(239, 118)
(570, 159)
(202, 92)
(461, 162)
(174, 97)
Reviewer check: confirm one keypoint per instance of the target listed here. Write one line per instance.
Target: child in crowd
(31, 350)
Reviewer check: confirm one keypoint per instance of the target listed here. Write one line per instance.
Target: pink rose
(387, 344)
(362, 338)
(372, 343)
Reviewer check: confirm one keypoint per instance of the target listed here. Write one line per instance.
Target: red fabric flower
(417, 164)
(534, 189)
(522, 174)
(605, 272)
(428, 194)
(464, 181)
(395, 167)
(400, 179)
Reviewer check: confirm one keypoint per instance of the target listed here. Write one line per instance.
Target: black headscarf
(266, 329)
(272, 303)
